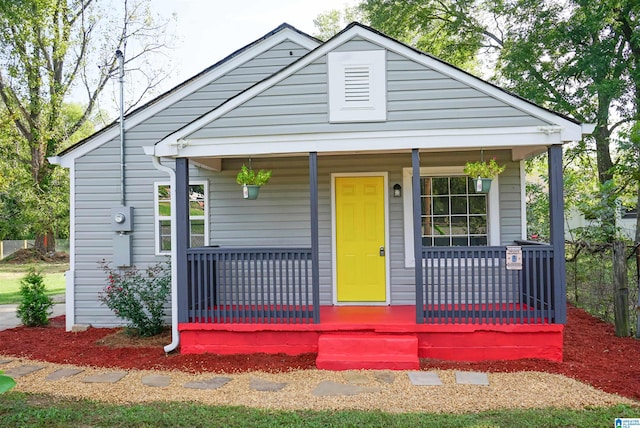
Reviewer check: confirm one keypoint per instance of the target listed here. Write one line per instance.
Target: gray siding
(97, 181)
(280, 216)
(418, 98)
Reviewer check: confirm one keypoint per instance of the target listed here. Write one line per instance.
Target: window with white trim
(452, 213)
(198, 215)
(357, 86)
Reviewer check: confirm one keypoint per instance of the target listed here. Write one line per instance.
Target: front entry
(360, 239)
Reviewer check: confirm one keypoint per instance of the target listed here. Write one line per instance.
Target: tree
(51, 49)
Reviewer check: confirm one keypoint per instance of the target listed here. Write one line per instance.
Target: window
(452, 213)
(198, 215)
(357, 86)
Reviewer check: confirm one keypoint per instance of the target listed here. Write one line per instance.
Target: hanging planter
(251, 181)
(483, 173)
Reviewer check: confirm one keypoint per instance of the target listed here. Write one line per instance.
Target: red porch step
(352, 351)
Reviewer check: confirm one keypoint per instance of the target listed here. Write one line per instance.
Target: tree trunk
(621, 296)
(637, 240)
(45, 242)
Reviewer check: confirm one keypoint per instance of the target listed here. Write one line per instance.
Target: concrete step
(353, 351)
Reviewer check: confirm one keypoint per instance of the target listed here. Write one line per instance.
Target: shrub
(6, 383)
(138, 296)
(35, 305)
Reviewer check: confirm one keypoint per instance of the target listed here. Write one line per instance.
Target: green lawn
(18, 409)
(11, 274)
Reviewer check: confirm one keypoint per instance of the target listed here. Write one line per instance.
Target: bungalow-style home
(369, 245)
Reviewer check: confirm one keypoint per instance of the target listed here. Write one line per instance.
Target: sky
(210, 30)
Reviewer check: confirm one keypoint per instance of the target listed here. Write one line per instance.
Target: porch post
(556, 213)
(181, 193)
(417, 234)
(315, 257)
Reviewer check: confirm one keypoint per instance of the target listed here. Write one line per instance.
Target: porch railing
(250, 285)
(473, 285)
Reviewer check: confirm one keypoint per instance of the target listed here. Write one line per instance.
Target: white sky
(209, 30)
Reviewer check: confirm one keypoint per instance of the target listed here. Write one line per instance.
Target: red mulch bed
(592, 354)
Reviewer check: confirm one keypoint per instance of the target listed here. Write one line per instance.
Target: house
(369, 245)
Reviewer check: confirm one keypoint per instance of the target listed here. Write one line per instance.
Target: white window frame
(493, 207)
(374, 109)
(157, 217)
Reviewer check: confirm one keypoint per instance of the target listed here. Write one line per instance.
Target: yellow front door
(360, 239)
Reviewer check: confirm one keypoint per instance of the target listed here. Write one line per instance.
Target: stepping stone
(213, 383)
(328, 388)
(17, 372)
(157, 381)
(62, 373)
(5, 361)
(265, 385)
(385, 377)
(472, 378)
(424, 378)
(111, 377)
(356, 378)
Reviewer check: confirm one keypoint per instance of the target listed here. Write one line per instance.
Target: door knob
(381, 251)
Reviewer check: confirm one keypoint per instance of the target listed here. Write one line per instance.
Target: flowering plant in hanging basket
(251, 181)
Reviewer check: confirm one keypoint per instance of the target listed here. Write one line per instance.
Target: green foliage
(449, 29)
(6, 383)
(333, 21)
(250, 176)
(483, 169)
(137, 296)
(35, 307)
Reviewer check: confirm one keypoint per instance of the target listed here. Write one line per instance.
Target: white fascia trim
(523, 199)
(70, 275)
(196, 84)
(567, 131)
(471, 138)
(493, 208)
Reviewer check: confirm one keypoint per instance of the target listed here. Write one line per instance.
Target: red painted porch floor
(378, 328)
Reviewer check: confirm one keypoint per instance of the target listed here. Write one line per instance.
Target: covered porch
(468, 305)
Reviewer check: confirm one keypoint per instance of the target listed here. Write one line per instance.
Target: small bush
(6, 383)
(138, 296)
(35, 305)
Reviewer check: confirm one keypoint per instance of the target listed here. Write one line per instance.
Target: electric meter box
(122, 219)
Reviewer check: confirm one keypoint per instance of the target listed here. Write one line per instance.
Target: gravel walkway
(315, 389)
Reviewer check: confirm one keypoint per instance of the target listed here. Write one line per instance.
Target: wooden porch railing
(472, 285)
(250, 285)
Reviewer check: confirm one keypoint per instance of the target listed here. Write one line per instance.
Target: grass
(11, 274)
(36, 410)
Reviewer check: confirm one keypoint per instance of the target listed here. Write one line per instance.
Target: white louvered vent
(357, 86)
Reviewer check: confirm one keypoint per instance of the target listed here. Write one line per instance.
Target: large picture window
(453, 214)
(198, 215)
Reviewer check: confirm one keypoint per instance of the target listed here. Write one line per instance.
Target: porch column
(181, 193)
(556, 221)
(417, 234)
(315, 258)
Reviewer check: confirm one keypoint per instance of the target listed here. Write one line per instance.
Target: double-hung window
(198, 215)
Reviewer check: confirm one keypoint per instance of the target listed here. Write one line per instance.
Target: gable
(203, 92)
(424, 98)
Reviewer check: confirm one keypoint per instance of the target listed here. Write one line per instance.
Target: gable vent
(357, 86)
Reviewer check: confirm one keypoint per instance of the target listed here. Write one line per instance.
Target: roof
(188, 86)
(566, 128)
